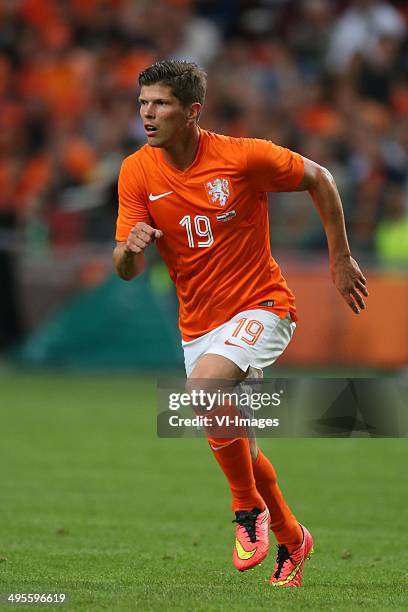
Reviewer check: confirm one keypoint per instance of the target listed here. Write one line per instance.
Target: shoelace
(282, 556)
(247, 520)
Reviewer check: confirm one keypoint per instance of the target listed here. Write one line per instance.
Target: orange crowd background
(328, 78)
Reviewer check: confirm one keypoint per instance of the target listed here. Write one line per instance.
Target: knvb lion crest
(218, 190)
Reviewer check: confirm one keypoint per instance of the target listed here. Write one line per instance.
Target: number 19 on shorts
(199, 228)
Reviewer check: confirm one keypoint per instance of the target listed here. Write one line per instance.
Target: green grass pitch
(93, 504)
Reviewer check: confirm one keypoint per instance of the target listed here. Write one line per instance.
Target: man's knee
(200, 387)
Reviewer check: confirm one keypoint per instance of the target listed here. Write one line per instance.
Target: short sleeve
(271, 167)
(132, 202)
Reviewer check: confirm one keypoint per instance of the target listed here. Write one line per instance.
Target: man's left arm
(345, 272)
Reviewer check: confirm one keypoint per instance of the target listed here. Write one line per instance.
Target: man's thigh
(215, 373)
(217, 367)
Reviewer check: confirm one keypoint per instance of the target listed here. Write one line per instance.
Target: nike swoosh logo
(152, 197)
(243, 554)
(217, 448)
(290, 577)
(232, 344)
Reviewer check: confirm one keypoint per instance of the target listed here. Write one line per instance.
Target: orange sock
(283, 523)
(234, 458)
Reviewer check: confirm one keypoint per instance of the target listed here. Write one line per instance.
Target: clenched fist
(141, 236)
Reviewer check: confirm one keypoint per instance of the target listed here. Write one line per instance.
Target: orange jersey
(214, 218)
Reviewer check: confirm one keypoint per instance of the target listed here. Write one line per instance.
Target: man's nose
(148, 111)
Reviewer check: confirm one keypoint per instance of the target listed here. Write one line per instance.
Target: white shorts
(253, 338)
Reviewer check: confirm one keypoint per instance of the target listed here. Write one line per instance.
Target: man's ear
(194, 112)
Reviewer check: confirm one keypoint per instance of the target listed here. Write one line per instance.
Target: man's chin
(153, 141)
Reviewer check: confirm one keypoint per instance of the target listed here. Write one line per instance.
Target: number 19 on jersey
(202, 227)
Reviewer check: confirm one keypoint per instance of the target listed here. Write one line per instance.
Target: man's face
(164, 118)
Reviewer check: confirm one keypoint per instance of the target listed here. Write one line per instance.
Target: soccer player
(202, 197)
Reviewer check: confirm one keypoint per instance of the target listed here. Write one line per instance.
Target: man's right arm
(127, 264)
(128, 257)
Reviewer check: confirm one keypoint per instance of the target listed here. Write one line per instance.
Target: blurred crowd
(324, 77)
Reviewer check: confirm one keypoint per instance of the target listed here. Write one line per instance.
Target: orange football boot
(289, 567)
(252, 538)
